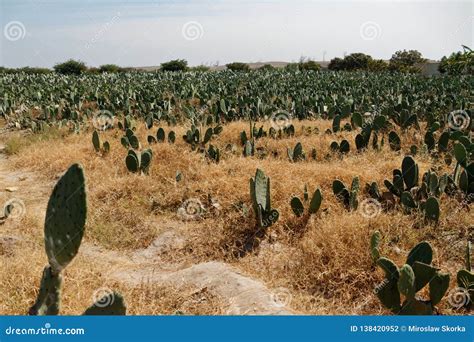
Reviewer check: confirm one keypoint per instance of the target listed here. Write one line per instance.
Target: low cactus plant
(213, 153)
(346, 196)
(139, 162)
(298, 206)
(408, 280)
(130, 140)
(98, 147)
(261, 202)
(63, 231)
(296, 154)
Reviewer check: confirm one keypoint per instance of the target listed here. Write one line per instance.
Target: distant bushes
(357, 61)
(26, 70)
(175, 65)
(237, 66)
(401, 61)
(70, 67)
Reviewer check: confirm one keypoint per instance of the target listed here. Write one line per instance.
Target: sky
(149, 32)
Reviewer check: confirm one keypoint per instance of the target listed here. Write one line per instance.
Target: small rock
(22, 178)
(11, 189)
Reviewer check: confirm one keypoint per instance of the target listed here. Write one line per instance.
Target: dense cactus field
(323, 178)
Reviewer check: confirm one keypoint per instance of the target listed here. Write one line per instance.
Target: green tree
(70, 67)
(175, 65)
(458, 63)
(406, 61)
(354, 61)
(237, 66)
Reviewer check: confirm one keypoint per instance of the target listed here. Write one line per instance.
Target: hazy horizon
(147, 33)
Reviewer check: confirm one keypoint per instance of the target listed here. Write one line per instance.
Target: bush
(175, 65)
(237, 66)
(200, 68)
(354, 61)
(406, 61)
(70, 67)
(458, 63)
(377, 65)
(110, 68)
(309, 65)
(26, 70)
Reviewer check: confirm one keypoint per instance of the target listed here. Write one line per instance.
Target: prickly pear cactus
(48, 301)
(261, 203)
(413, 276)
(65, 218)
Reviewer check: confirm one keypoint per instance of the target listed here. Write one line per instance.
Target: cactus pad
(65, 218)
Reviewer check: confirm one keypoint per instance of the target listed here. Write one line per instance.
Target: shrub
(237, 66)
(458, 63)
(175, 65)
(309, 65)
(267, 67)
(200, 68)
(406, 61)
(110, 68)
(70, 67)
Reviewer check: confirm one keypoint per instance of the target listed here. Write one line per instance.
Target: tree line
(404, 61)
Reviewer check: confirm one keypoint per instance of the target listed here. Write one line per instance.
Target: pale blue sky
(147, 32)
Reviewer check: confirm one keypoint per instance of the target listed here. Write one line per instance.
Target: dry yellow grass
(327, 271)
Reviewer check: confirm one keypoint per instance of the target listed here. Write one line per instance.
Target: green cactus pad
(65, 218)
(438, 287)
(460, 153)
(145, 160)
(406, 282)
(390, 269)
(407, 200)
(134, 142)
(422, 252)
(297, 206)
(316, 201)
(423, 274)
(389, 295)
(111, 304)
(432, 209)
(374, 245)
(409, 172)
(48, 301)
(132, 163)
(96, 141)
(160, 135)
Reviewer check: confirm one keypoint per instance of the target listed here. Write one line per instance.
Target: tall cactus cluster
(63, 231)
(405, 185)
(405, 282)
(261, 202)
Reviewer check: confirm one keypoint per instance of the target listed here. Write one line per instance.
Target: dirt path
(243, 294)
